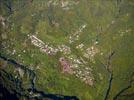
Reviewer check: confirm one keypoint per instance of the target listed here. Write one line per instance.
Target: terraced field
(67, 49)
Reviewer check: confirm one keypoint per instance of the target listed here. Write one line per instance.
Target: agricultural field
(67, 49)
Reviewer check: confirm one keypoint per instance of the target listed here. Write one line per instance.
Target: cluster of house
(45, 47)
(76, 35)
(49, 49)
(64, 49)
(69, 65)
(80, 46)
(91, 52)
(66, 66)
(85, 75)
(81, 72)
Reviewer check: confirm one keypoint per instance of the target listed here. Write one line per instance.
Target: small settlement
(70, 65)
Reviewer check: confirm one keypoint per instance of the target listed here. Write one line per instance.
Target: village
(67, 49)
(70, 65)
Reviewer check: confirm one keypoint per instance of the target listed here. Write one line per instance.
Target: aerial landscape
(66, 49)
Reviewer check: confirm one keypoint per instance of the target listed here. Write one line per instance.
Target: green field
(104, 27)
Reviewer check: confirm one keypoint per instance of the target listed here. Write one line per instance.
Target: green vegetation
(109, 27)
